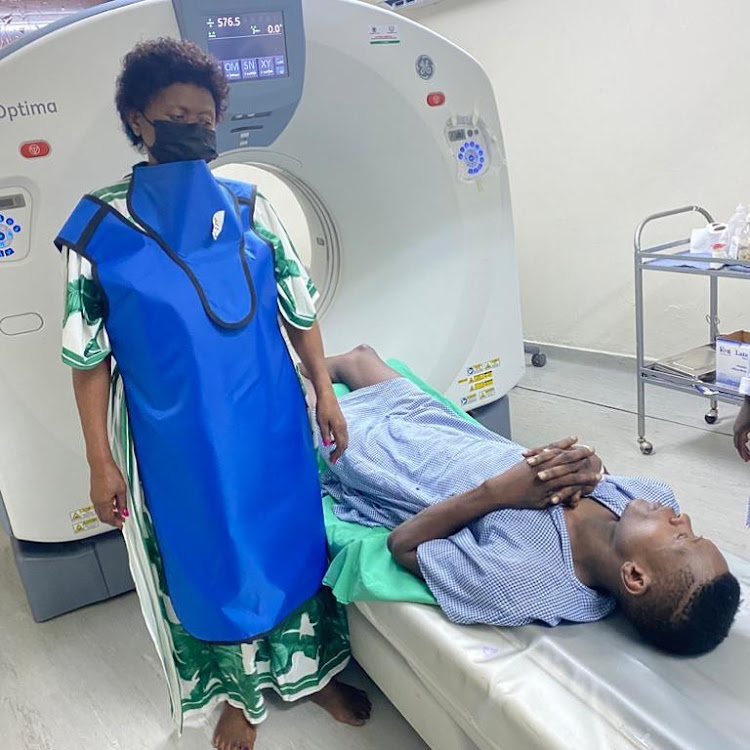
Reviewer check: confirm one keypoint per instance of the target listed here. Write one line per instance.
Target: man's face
(659, 541)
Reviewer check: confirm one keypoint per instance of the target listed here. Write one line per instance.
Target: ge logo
(464, 401)
(425, 67)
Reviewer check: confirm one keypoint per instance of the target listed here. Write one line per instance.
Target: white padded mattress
(582, 686)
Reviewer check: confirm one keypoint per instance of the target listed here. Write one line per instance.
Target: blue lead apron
(219, 422)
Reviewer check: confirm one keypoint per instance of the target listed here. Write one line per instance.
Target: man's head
(674, 587)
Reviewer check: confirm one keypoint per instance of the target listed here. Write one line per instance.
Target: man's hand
(562, 458)
(742, 431)
(521, 487)
(332, 423)
(562, 445)
(109, 494)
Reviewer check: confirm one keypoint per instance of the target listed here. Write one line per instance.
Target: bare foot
(234, 732)
(345, 703)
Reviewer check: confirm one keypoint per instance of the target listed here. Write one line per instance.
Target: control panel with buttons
(15, 215)
(471, 147)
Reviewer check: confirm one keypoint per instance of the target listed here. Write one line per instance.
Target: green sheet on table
(362, 568)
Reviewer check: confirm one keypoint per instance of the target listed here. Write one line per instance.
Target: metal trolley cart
(666, 258)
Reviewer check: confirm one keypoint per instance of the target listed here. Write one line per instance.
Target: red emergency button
(436, 99)
(34, 149)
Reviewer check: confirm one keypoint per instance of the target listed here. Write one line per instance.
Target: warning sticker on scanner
(491, 364)
(482, 376)
(479, 382)
(483, 385)
(84, 519)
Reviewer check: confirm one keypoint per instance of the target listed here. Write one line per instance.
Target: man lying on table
(509, 537)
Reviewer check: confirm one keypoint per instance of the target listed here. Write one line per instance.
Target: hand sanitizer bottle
(735, 224)
(740, 246)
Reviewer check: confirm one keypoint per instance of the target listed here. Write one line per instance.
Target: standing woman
(209, 467)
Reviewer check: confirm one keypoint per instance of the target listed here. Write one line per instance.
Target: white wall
(611, 111)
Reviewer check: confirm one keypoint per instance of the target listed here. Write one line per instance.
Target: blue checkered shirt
(408, 451)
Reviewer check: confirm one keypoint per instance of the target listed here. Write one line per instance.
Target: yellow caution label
(478, 383)
(87, 525)
(84, 519)
(483, 382)
(83, 514)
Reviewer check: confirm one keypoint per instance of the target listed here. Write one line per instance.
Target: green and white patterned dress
(303, 653)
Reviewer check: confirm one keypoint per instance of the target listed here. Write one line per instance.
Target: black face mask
(182, 141)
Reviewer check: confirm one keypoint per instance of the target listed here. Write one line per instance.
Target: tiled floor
(91, 680)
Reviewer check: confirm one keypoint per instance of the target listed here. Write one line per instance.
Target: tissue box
(732, 358)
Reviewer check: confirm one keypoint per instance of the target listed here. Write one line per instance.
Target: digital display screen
(250, 46)
(12, 201)
(457, 135)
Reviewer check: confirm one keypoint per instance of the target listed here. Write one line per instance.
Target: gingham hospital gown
(407, 451)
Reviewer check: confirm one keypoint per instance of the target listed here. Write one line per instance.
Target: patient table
(586, 687)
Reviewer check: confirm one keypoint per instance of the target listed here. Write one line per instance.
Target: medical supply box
(732, 358)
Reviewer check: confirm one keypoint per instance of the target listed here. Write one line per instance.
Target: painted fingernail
(543, 475)
(125, 513)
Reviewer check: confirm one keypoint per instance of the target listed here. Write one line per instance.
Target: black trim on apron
(250, 203)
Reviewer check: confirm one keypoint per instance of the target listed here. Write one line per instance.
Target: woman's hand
(109, 494)
(332, 423)
(742, 431)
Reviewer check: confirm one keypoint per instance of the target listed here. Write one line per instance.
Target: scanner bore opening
(305, 218)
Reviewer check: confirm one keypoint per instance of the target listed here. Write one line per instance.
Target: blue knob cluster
(473, 155)
(8, 229)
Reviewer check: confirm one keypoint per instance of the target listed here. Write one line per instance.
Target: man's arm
(518, 488)
(439, 522)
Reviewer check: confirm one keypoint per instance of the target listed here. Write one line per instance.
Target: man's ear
(635, 580)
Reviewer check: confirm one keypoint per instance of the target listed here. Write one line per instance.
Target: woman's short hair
(156, 64)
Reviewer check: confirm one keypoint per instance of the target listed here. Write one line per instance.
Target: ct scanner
(387, 136)
(386, 158)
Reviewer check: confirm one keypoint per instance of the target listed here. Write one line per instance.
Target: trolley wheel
(539, 360)
(646, 448)
(711, 416)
